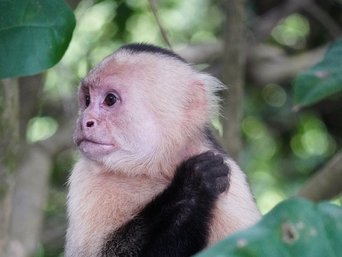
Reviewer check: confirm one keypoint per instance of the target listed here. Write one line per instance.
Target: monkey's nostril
(90, 124)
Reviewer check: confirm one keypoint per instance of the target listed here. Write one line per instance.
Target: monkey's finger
(202, 157)
(210, 160)
(220, 171)
(222, 184)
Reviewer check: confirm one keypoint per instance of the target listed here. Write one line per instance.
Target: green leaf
(322, 80)
(34, 34)
(295, 227)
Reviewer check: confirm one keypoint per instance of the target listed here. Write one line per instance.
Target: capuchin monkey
(151, 181)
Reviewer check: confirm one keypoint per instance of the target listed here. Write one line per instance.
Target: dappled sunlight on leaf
(41, 128)
(292, 31)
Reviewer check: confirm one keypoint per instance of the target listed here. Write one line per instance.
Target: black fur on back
(148, 48)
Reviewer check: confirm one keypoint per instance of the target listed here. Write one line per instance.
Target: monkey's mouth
(92, 148)
(90, 141)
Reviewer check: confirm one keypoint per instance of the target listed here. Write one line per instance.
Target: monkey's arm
(176, 222)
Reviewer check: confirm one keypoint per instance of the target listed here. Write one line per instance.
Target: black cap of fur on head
(142, 47)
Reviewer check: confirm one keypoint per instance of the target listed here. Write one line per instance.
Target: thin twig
(163, 33)
(319, 14)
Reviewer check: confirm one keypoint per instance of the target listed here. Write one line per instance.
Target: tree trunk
(233, 74)
(9, 140)
(326, 183)
(30, 195)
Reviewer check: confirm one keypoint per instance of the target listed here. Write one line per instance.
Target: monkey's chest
(99, 205)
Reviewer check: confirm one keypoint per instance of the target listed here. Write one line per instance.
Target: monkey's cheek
(94, 151)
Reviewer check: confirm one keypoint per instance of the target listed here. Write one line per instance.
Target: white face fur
(137, 109)
(115, 125)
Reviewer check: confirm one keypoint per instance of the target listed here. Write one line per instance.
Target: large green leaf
(34, 35)
(322, 80)
(296, 227)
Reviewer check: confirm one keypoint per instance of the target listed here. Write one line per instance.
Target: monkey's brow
(87, 83)
(84, 85)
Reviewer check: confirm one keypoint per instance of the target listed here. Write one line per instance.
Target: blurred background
(256, 47)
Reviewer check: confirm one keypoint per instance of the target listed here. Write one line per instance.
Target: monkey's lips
(93, 148)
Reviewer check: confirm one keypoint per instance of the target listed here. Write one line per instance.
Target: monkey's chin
(94, 150)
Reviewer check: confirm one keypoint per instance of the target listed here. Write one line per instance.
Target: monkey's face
(139, 110)
(114, 125)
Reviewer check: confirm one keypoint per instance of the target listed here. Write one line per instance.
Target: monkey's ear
(212, 87)
(196, 103)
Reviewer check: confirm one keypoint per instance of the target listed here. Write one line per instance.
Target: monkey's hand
(175, 222)
(205, 173)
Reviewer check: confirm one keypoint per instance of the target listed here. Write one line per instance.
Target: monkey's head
(140, 109)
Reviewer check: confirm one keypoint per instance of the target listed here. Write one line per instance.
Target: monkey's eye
(87, 100)
(110, 99)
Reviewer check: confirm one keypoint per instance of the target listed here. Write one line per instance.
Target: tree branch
(30, 88)
(319, 14)
(163, 33)
(9, 144)
(28, 201)
(201, 53)
(32, 180)
(326, 183)
(233, 58)
(265, 63)
(60, 141)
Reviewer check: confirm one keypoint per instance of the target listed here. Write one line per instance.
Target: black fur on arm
(176, 222)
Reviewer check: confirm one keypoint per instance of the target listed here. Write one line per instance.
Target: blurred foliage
(322, 80)
(46, 38)
(282, 148)
(40, 128)
(292, 31)
(295, 227)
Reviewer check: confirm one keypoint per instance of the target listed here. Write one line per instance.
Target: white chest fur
(99, 203)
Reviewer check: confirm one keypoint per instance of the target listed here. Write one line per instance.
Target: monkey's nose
(90, 124)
